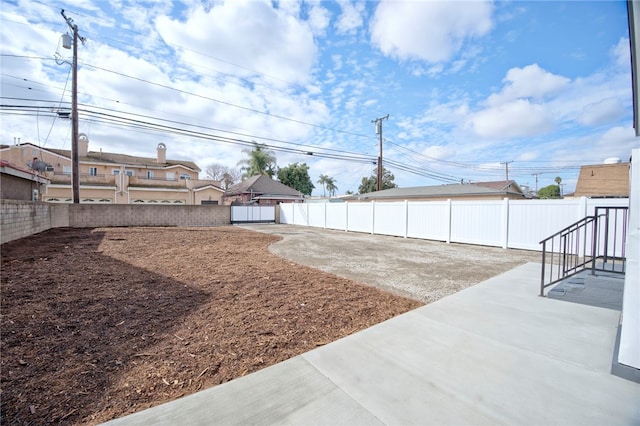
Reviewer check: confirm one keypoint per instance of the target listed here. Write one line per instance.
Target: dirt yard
(100, 323)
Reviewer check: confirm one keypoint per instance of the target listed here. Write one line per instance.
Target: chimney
(162, 153)
(83, 145)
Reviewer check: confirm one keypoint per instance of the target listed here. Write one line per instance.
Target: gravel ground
(421, 269)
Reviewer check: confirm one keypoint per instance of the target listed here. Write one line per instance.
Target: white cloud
(528, 82)
(439, 152)
(618, 141)
(602, 112)
(253, 34)
(519, 118)
(318, 19)
(432, 31)
(350, 20)
(291, 7)
(621, 53)
(528, 156)
(337, 62)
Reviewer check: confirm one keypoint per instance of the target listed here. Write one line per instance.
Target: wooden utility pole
(75, 161)
(378, 123)
(506, 164)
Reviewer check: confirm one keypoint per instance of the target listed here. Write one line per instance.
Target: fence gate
(253, 214)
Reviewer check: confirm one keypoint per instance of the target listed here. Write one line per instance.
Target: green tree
(370, 184)
(331, 186)
(550, 191)
(558, 180)
(297, 177)
(261, 161)
(323, 181)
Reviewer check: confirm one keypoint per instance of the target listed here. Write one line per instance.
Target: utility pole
(378, 123)
(536, 175)
(506, 164)
(75, 161)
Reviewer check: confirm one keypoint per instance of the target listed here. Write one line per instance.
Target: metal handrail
(589, 241)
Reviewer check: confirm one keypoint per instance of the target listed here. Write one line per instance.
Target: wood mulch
(100, 323)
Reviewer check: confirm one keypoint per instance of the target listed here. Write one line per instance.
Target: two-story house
(115, 178)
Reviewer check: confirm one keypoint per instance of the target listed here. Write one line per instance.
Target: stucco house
(261, 190)
(115, 178)
(497, 190)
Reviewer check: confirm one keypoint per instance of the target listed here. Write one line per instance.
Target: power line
(164, 86)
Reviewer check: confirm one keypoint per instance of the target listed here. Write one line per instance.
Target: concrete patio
(494, 353)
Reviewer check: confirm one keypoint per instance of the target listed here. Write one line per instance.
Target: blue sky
(544, 86)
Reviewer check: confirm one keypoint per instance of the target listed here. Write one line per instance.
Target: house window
(149, 174)
(128, 172)
(66, 170)
(93, 171)
(115, 172)
(185, 176)
(171, 175)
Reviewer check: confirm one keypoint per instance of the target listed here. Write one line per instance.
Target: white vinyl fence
(255, 214)
(519, 224)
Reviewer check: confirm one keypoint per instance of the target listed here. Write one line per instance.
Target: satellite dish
(612, 160)
(39, 166)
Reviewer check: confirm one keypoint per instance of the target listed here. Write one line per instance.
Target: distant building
(20, 183)
(115, 178)
(261, 190)
(603, 181)
(497, 190)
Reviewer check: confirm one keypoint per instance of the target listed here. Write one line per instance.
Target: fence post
(582, 208)
(406, 218)
(308, 222)
(346, 219)
(373, 217)
(325, 214)
(449, 221)
(505, 223)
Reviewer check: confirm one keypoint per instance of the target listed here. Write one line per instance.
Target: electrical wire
(184, 92)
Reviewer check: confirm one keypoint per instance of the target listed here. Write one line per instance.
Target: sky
(464, 89)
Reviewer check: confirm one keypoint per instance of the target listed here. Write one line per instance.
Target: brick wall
(23, 218)
(20, 219)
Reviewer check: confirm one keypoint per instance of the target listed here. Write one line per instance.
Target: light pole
(75, 161)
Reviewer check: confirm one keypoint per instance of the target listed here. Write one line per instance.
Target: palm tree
(323, 181)
(558, 179)
(331, 186)
(261, 161)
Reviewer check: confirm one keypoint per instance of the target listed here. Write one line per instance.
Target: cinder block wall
(59, 215)
(20, 219)
(23, 218)
(99, 215)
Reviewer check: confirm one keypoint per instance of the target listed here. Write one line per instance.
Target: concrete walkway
(494, 353)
